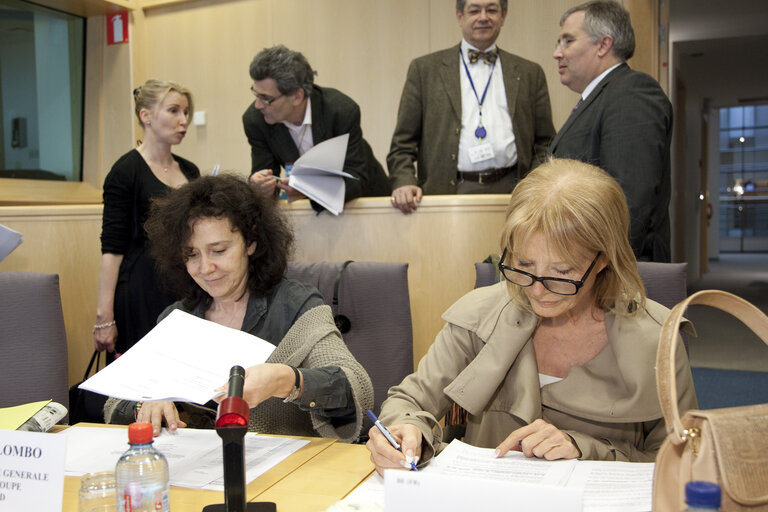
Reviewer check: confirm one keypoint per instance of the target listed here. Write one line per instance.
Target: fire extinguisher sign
(117, 27)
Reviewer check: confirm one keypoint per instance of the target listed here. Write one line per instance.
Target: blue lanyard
(480, 131)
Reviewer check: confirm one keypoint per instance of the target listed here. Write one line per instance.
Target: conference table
(311, 479)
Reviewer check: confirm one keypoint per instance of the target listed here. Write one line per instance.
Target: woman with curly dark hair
(224, 249)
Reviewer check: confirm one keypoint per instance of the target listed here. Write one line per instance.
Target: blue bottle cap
(702, 494)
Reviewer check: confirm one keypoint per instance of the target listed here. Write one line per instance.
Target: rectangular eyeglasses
(556, 285)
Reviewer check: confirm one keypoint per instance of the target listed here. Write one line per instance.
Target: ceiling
(720, 49)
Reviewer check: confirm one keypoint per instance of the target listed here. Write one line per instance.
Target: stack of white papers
(184, 358)
(194, 456)
(318, 173)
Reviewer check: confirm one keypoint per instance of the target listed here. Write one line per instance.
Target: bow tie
(488, 57)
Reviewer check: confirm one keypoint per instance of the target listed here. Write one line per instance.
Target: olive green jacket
(428, 125)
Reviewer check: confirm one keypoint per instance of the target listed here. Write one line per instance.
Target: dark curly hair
(258, 219)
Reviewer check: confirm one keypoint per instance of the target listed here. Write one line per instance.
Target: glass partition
(41, 92)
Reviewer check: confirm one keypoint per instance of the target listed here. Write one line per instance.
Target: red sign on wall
(117, 27)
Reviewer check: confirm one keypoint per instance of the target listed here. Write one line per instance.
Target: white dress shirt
(302, 133)
(496, 118)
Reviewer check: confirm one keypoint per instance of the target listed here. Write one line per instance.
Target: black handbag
(86, 406)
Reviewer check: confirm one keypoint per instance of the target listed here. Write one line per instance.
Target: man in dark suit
(472, 118)
(291, 114)
(623, 121)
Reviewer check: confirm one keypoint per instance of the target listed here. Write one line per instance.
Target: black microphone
(233, 410)
(236, 381)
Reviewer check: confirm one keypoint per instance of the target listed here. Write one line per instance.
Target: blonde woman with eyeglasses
(557, 360)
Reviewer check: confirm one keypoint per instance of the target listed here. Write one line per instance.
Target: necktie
(487, 57)
(581, 100)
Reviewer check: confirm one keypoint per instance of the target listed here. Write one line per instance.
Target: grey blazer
(429, 120)
(625, 127)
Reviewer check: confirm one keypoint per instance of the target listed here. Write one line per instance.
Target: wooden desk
(311, 479)
(322, 480)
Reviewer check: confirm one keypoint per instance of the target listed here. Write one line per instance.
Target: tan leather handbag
(727, 446)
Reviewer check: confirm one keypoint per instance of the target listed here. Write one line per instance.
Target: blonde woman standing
(130, 295)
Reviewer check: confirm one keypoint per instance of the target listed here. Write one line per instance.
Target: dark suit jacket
(625, 127)
(429, 120)
(333, 114)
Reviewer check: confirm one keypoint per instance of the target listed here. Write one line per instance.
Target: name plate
(31, 470)
(416, 491)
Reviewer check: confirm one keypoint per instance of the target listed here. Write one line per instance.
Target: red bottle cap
(140, 433)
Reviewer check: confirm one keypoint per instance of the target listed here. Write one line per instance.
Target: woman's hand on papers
(385, 456)
(157, 412)
(540, 439)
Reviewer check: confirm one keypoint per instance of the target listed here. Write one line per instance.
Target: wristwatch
(296, 387)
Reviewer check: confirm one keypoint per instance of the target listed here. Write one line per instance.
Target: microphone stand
(231, 426)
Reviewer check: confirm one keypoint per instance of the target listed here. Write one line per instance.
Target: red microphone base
(233, 412)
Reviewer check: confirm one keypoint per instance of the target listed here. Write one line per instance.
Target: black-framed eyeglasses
(556, 285)
(266, 100)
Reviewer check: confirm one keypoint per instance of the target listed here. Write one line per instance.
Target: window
(41, 92)
(744, 178)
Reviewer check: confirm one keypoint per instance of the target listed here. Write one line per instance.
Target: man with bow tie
(472, 118)
(623, 120)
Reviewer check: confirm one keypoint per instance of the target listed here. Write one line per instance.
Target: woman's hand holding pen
(385, 456)
(540, 439)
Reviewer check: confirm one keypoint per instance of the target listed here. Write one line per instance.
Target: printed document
(318, 173)
(183, 358)
(194, 455)
(605, 486)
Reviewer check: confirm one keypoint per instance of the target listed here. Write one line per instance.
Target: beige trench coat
(483, 359)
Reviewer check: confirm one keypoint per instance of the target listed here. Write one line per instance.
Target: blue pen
(387, 434)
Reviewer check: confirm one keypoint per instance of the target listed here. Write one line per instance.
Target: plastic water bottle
(141, 474)
(702, 496)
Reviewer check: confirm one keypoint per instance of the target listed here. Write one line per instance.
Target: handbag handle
(95, 357)
(665, 357)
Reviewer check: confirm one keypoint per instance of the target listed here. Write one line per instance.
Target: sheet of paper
(327, 156)
(614, 486)
(318, 173)
(459, 458)
(183, 358)
(326, 190)
(9, 240)
(368, 496)
(194, 455)
(12, 418)
(602, 486)
(33, 471)
(416, 491)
